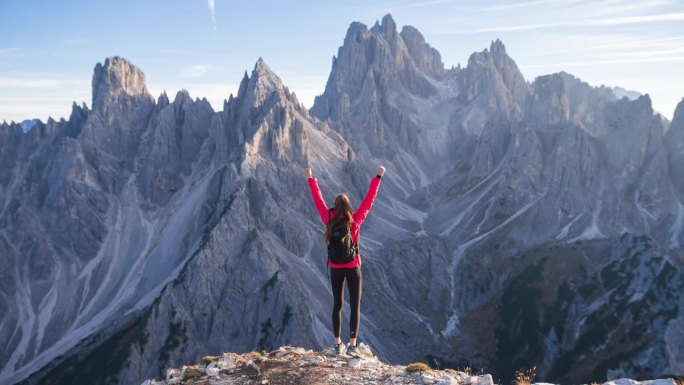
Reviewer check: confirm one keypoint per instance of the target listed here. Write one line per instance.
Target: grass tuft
(209, 359)
(190, 373)
(526, 377)
(417, 367)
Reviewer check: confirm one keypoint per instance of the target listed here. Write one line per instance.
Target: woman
(335, 220)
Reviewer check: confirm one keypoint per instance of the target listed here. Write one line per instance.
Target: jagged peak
(495, 57)
(261, 67)
(356, 29)
(426, 57)
(163, 100)
(496, 52)
(679, 112)
(182, 96)
(497, 48)
(115, 77)
(645, 101)
(76, 107)
(409, 31)
(243, 85)
(262, 81)
(262, 85)
(388, 26)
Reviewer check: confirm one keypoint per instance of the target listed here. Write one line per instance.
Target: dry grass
(679, 380)
(417, 367)
(191, 372)
(526, 377)
(209, 359)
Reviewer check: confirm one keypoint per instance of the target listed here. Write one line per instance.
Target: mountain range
(519, 223)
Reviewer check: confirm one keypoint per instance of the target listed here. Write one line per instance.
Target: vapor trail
(212, 9)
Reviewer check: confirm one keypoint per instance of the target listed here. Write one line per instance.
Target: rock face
(519, 224)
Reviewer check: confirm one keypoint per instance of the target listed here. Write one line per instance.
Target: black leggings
(354, 281)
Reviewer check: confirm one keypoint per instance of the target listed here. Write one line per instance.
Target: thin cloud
(522, 4)
(624, 42)
(565, 64)
(75, 41)
(212, 9)
(12, 53)
(197, 71)
(424, 4)
(639, 19)
(582, 23)
(654, 53)
(33, 81)
(611, 47)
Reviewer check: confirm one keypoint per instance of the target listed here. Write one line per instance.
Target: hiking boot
(340, 349)
(354, 351)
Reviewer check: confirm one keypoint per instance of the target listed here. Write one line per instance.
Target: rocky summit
(289, 365)
(294, 365)
(521, 223)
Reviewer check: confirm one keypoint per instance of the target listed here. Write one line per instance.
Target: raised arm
(317, 196)
(367, 203)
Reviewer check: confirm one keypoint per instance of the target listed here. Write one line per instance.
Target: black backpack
(341, 248)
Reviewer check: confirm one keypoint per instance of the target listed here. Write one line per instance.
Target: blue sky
(48, 48)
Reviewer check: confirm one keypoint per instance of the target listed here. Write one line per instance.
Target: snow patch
(566, 229)
(593, 231)
(452, 327)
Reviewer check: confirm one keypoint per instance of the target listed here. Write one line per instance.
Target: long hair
(342, 215)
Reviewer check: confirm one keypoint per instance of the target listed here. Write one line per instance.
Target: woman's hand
(308, 173)
(381, 170)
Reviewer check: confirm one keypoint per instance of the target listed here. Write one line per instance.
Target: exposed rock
(311, 367)
(115, 79)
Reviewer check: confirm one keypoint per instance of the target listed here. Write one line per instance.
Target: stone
(485, 379)
(253, 365)
(355, 363)
(171, 373)
(212, 372)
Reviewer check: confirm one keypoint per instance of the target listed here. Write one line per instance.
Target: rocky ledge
(297, 366)
(294, 365)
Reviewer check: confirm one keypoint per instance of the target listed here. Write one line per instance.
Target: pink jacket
(359, 216)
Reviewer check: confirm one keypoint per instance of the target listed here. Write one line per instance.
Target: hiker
(342, 237)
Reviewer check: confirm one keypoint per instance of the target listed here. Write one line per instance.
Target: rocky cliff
(520, 223)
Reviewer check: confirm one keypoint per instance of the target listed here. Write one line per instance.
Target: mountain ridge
(167, 199)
